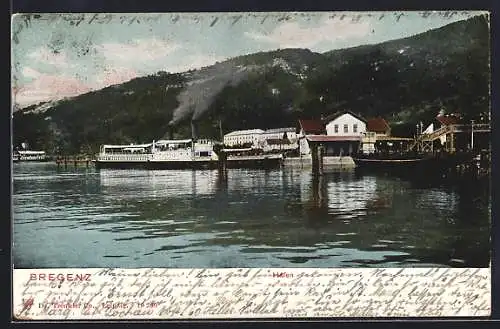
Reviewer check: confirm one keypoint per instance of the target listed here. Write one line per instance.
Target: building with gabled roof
(337, 114)
(345, 123)
(339, 133)
(379, 126)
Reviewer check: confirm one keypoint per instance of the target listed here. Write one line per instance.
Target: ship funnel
(194, 131)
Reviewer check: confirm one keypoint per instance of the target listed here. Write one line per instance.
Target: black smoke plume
(199, 94)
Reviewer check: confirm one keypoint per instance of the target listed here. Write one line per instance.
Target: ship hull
(407, 166)
(232, 163)
(391, 163)
(30, 160)
(156, 165)
(254, 162)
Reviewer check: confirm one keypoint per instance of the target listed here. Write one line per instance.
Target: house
(379, 126)
(344, 132)
(340, 134)
(249, 138)
(345, 123)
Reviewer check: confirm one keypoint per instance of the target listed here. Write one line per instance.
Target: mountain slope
(446, 67)
(404, 80)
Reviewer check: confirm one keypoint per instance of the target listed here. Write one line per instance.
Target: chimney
(194, 131)
(171, 132)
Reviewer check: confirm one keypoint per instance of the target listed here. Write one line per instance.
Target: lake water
(255, 218)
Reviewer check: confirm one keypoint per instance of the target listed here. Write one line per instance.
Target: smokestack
(170, 130)
(194, 131)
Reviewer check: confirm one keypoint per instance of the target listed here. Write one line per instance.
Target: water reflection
(249, 218)
(160, 182)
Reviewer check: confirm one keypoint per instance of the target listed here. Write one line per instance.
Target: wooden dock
(425, 142)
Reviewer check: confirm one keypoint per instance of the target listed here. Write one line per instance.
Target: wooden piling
(321, 151)
(222, 163)
(314, 158)
(317, 159)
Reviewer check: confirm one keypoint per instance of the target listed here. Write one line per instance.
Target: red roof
(377, 125)
(313, 127)
(447, 120)
(324, 138)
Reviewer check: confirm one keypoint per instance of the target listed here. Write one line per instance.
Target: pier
(463, 152)
(450, 133)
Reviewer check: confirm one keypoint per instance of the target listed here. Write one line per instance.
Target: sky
(62, 55)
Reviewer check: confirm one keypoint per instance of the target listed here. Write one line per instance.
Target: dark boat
(264, 161)
(409, 164)
(390, 161)
(418, 165)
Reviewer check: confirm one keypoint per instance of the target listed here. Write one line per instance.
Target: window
(336, 127)
(355, 128)
(346, 128)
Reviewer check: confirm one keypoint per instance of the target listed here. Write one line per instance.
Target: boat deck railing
(124, 157)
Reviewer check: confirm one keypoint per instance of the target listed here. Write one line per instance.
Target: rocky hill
(405, 81)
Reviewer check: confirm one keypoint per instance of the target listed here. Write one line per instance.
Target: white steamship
(162, 154)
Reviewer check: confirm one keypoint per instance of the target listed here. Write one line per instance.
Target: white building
(340, 134)
(280, 133)
(242, 137)
(345, 124)
(277, 139)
